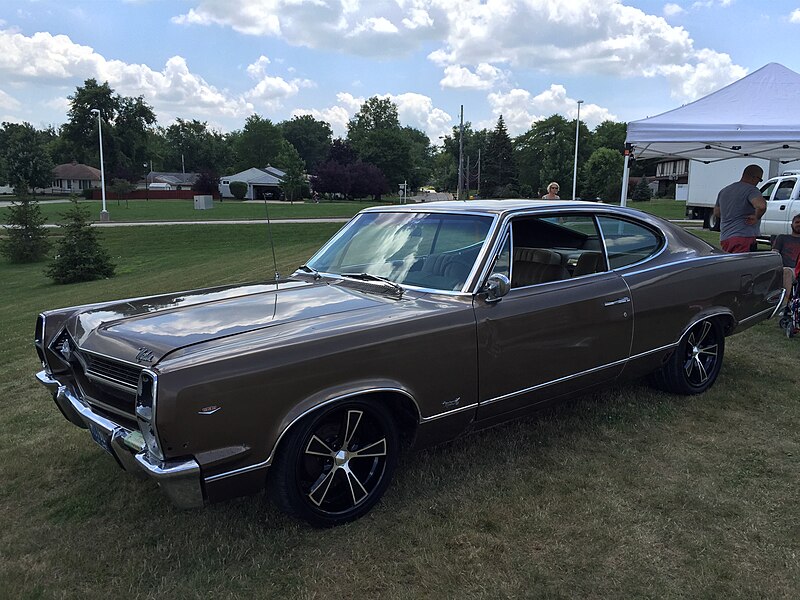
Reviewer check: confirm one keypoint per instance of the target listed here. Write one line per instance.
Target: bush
(642, 191)
(238, 189)
(79, 255)
(87, 193)
(26, 238)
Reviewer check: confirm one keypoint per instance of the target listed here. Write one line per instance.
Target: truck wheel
(713, 222)
(336, 464)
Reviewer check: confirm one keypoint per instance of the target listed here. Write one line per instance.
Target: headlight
(146, 394)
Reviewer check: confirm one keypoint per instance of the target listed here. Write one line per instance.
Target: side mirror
(496, 286)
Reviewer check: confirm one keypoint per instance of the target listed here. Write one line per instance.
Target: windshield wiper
(399, 289)
(310, 270)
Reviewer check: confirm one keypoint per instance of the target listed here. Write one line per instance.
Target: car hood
(143, 331)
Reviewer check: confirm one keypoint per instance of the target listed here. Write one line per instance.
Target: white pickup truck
(783, 202)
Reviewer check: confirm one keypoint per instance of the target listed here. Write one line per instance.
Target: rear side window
(628, 243)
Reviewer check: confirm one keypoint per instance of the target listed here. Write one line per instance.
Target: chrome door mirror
(496, 286)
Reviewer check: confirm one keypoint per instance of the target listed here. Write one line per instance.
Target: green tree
(311, 138)
(132, 128)
(26, 238)
(499, 171)
(610, 134)
(602, 175)
(79, 255)
(642, 191)
(258, 144)
(25, 155)
(79, 133)
(376, 114)
(294, 168)
(475, 143)
(192, 146)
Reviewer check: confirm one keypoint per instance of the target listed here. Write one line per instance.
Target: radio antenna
(271, 241)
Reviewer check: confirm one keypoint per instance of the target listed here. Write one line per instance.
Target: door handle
(623, 300)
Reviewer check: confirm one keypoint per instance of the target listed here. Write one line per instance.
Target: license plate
(101, 438)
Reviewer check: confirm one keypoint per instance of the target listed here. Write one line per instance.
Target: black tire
(336, 464)
(713, 222)
(695, 364)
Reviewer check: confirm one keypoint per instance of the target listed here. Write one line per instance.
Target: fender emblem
(451, 403)
(145, 355)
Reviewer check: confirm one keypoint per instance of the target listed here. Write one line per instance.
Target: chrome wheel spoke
(373, 450)
(320, 489)
(701, 369)
(316, 447)
(353, 420)
(357, 491)
(704, 333)
(709, 350)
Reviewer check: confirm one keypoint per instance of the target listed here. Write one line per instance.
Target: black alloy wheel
(336, 464)
(696, 362)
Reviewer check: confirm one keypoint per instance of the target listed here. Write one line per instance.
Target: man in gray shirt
(739, 208)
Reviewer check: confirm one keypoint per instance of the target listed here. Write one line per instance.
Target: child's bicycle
(790, 320)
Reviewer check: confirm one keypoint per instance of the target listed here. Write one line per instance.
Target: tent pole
(623, 196)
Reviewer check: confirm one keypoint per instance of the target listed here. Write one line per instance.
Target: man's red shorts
(738, 244)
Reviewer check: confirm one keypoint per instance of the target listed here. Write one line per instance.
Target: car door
(547, 337)
(781, 195)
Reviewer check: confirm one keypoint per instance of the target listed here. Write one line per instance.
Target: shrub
(87, 193)
(26, 238)
(642, 191)
(79, 255)
(238, 189)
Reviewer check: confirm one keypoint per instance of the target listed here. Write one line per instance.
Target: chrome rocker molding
(179, 479)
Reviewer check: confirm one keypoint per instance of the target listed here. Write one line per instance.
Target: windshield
(428, 250)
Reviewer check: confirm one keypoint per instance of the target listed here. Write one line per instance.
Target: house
(171, 181)
(71, 178)
(261, 183)
(669, 174)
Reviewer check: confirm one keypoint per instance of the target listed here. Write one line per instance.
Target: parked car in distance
(413, 325)
(783, 202)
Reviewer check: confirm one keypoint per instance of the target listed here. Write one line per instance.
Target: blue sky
(222, 60)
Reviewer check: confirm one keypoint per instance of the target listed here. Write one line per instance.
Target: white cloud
(711, 71)
(671, 9)
(9, 102)
(795, 16)
(375, 28)
(485, 77)
(520, 109)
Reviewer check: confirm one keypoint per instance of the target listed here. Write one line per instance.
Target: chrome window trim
(651, 228)
(268, 461)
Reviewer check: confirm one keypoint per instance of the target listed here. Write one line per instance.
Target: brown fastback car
(412, 324)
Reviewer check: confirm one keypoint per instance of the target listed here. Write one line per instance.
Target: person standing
(739, 209)
(552, 192)
(788, 246)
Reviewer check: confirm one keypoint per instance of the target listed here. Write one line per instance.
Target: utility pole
(478, 191)
(460, 154)
(577, 129)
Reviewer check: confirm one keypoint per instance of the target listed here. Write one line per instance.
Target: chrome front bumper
(179, 479)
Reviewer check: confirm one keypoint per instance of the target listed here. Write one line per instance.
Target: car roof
(491, 207)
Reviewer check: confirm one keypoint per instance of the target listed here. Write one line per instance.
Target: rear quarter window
(628, 243)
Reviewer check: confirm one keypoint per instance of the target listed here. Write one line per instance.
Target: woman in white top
(552, 192)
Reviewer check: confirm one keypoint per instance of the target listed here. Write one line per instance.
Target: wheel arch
(401, 404)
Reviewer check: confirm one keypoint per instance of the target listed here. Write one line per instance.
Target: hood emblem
(145, 355)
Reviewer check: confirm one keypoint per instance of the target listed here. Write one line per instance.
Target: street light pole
(575, 172)
(104, 212)
(460, 154)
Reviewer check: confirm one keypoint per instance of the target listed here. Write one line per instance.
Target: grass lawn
(183, 210)
(666, 209)
(623, 493)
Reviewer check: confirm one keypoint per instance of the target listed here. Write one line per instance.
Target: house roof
(755, 116)
(76, 171)
(172, 178)
(256, 176)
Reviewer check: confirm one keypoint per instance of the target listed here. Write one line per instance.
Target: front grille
(106, 368)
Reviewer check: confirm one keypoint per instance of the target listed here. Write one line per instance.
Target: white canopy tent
(757, 116)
